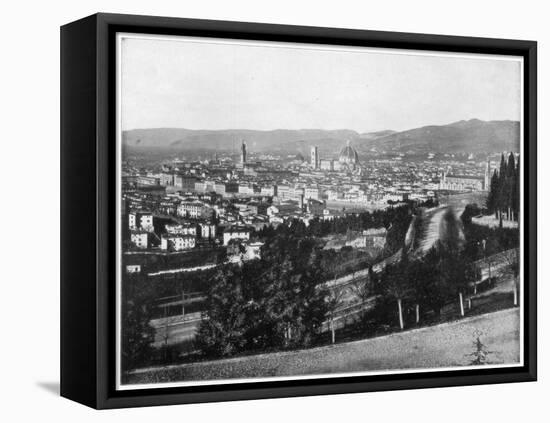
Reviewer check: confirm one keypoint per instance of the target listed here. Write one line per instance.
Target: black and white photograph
(292, 211)
(267, 212)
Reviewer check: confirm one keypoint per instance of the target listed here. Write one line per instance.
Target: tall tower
(243, 153)
(315, 157)
(487, 179)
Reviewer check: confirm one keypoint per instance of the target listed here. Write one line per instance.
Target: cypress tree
(515, 193)
(511, 167)
(492, 198)
(504, 189)
(510, 187)
(501, 192)
(502, 170)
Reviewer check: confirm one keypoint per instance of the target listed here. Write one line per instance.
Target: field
(445, 345)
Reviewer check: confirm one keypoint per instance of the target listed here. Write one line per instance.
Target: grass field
(444, 345)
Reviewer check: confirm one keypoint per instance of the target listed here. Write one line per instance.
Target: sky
(195, 83)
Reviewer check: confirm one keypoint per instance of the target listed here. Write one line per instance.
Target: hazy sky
(205, 84)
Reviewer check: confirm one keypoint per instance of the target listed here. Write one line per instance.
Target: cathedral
(348, 157)
(348, 160)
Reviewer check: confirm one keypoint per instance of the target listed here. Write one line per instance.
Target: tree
(503, 198)
(334, 300)
(137, 335)
(224, 322)
(395, 285)
(430, 289)
(363, 289)
(421, 282)
(453, 263)
(480, 353)
(502, 185)
(299, 298)
(471, 210)
(507, 182)
(516, 192)
(272, 302)
(171, 246)
(492, 198)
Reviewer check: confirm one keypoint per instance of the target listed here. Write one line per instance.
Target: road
(445, 345)
(433, 229)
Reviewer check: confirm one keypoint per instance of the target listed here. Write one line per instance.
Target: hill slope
(464, 136)
(284, 140)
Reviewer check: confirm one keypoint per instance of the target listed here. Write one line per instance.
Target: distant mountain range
(472, 136)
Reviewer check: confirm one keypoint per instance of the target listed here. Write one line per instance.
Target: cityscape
(185, 219)
(261, 253)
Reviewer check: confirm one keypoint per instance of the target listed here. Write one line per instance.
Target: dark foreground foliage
(270, 303)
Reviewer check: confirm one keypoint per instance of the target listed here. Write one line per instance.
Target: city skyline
(267, 87)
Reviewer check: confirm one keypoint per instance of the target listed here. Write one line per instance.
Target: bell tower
(315, 157)
(243, 152)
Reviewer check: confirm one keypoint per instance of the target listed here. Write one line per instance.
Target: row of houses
(179, 236)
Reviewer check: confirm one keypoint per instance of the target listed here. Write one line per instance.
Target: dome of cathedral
(348, 155)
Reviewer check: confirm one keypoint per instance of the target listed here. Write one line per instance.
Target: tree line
(504, 189)
(483, 241)
(426, 284)
(395, 219)
(429, 281)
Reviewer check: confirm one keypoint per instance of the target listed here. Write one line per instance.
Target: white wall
(30, 146)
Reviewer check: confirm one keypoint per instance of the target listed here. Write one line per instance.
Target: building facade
(451, 182)
(140, 220)
(236, 232)
(177, 242)
(140, 239)
(195, 210)
(208, 231)
(181, 229)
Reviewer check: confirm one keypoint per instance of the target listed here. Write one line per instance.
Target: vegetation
(274, 302)
(482, 241)
(279, 301)
(480, 354)
(137, 334)
(426, 284)
(503, 199)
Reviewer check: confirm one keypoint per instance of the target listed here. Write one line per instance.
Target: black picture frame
(88, 181)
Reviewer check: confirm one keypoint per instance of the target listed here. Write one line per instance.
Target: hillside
(279, 139)
(474, 136)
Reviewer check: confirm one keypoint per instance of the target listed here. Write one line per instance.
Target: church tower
(315, 157)
(243, 153)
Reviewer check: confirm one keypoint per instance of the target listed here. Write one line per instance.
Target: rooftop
(481, 178)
